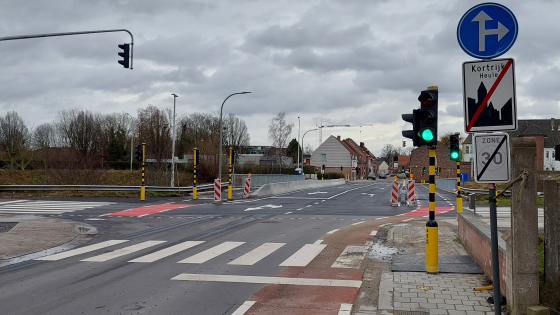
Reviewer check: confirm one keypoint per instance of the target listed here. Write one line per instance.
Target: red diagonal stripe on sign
(492, 89)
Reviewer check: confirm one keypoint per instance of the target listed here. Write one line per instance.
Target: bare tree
(236, 134)
(154, 129)
(279, 132)
(44, 139)
(15, 140)
(117, 130)
(196, 130)
(81, 130)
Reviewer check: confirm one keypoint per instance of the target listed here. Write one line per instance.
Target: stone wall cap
(524, 142)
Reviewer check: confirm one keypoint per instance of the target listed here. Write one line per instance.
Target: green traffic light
(426, 134)
(454, 155)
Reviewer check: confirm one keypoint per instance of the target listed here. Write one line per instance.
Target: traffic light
(232, 156)
(424, 169)
(323, 167)
(426, 118)
(139, 154)
(411, 134)
(557, 152)
(402, 169)
(196, 156)
(125, 54)
(454, 152)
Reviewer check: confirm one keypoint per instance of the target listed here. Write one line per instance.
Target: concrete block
(538, 310)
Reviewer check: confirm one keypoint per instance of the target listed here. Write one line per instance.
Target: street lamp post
(302, 140)
(299, 127)
(173, 145)
(220, 149)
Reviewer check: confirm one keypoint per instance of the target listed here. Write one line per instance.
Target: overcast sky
(360, 62)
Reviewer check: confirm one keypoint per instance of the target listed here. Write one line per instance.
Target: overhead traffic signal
(125, 62)
(454, 152)
(426, 117)
(139, 153)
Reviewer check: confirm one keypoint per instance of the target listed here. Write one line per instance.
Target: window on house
(323, 157)
(547, 154)
(553, 155)
(467, 149)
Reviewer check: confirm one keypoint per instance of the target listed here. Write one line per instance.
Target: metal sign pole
(494, 239)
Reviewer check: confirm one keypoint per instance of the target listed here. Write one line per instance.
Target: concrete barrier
(286, 187)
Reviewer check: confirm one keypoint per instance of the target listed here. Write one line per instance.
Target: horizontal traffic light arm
(74, 33)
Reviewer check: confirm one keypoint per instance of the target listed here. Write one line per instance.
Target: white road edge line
(345, 309)
(358, 223)
(269, 280)
(244, 308)
(331, 232)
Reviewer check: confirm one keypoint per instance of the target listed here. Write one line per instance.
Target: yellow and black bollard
(195, 162)
(431, 225)
(143, 188)
(229, 188)
(459, 199)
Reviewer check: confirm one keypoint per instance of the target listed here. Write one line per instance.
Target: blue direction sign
(487, 30)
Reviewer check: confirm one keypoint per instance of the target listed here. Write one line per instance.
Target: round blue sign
(487, 30)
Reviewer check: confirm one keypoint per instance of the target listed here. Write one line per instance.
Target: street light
(173, 145)
(303, 138)
(220, 150)
(299, 127)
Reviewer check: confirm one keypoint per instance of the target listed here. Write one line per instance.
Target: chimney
(338, 138)
(361, 144)
(552, 123)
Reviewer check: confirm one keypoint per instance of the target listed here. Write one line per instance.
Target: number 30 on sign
(492, 158)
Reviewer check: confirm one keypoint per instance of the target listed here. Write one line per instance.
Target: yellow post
(229, 187)
(431, 225)
(195, 157)
(459, 199)
(143, 188)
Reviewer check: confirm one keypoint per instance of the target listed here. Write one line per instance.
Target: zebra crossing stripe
(303, 256)
(166, 252)
(351, 257)
(269, 280)
(82, 250)
(123, 251)
(211, 253)
(257, 254)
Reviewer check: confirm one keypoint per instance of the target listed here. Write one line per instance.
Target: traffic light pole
(431, 225)
(74, 33)
(459, 199)
(143, 188)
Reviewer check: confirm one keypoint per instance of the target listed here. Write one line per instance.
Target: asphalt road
(133, 274)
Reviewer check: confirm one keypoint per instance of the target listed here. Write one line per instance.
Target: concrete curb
(286, 187)
(33, 235)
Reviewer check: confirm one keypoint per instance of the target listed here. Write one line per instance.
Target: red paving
(136, 212)
(424, 211)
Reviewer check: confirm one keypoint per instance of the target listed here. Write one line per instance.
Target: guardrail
(104, 188)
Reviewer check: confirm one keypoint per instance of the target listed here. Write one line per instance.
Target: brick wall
(474, 234)
(419, 158)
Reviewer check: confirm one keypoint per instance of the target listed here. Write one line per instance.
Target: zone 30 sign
(492, 152)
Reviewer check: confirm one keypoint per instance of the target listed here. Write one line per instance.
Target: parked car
(382, 175)
(371, 175)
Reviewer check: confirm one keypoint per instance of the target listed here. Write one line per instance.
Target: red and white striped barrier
(217, 190)
(395, 194)
(411, 193)
(247, 187)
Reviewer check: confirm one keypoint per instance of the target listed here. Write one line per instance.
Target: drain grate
(410, 313)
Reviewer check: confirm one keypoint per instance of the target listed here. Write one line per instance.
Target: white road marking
(382, 225)
(81, 250)
(303, 256)
(358, 223)
(299, 209)
(123, 251)
(373, 233)
(287, 213)
(331, 232)
(351, 257)
(211, 253)
(257, 254)
(243, 308)
(408, 220)
(382, 218)
(166, 252)
(268, 280)
(345, 309)
(318, 242)
(317, 192)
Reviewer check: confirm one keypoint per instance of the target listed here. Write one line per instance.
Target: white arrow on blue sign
(487, 30)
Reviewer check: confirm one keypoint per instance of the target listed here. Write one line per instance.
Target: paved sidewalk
(32, 235)
(420, 293)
